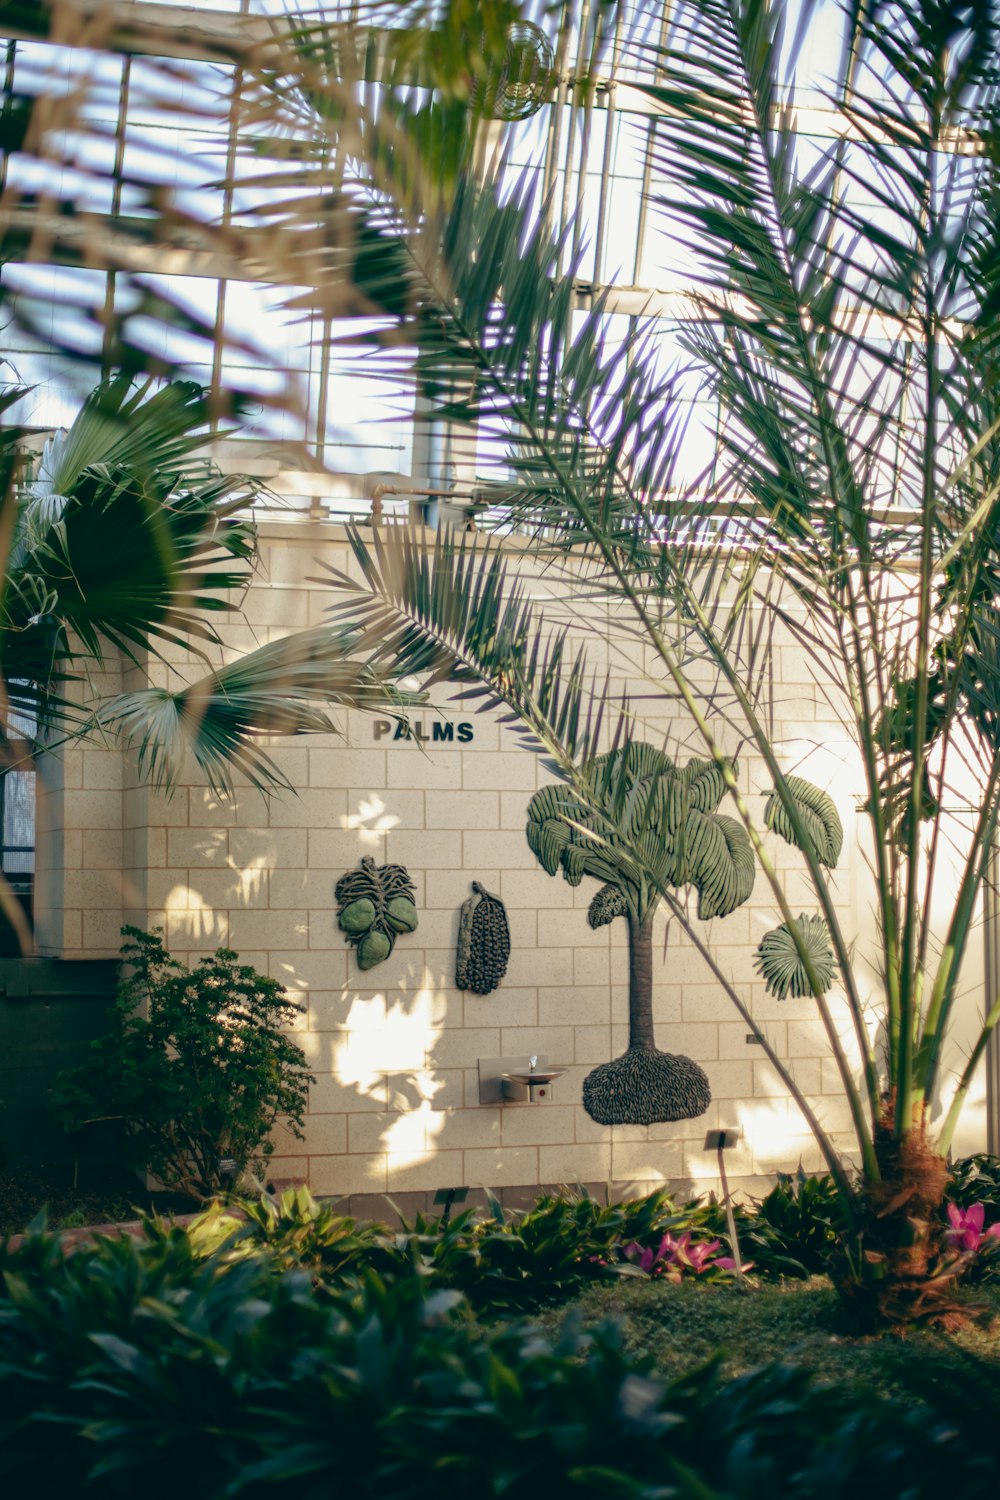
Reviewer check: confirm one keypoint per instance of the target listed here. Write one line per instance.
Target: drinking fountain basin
(540, 1075)
(526, 1084)
(522, 1080)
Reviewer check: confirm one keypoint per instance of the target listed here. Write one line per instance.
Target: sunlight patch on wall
(200, 920)
(371, 820)
(778, 1138)
(409, 1135)
(395, 1036)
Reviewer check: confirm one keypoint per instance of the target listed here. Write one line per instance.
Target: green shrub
(138, 1367)
(507, 1261)
(976, 1179)
(195, 1065)
(801, 1218)
(295, 1233)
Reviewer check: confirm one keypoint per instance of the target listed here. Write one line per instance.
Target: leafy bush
(976, 1179)
(507, 1261)
(802, 1218)
(295, 1233)
(196, 1066)
(547, 1253)
(138, 1366)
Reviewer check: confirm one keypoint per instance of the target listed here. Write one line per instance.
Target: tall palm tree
(848, 320)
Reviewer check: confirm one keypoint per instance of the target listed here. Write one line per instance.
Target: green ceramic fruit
(359, 916)
(401, 914)
(373, 948)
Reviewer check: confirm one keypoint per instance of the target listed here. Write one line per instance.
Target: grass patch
(796, 1323)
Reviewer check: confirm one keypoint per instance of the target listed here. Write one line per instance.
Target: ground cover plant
(196, 1065)
(503, 1261)
(271, 1347)
(509, 1261)
(133, 1362)
(791, 1321)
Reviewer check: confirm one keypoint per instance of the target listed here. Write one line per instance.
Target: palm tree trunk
(640, 981)
(900, 1272)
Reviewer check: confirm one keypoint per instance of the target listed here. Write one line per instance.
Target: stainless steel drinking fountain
(516, 1080)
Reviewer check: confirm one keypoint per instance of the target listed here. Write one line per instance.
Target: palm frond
(779, 961)
(817, 816)
(287, 687)
(453, 614)
(123, 425)
(124, 538)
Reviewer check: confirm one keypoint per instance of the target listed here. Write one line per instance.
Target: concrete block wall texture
(395, 1109)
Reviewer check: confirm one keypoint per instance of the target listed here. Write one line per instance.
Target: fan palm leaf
(780, 965)
(284, 688)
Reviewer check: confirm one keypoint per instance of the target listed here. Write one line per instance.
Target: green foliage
(196, 1065)
(507, 1261)
(790, 1232)
(839, 456)
(976, 1179)
(283, 687)
(130, 541)
(780, 962)
(548, 1252)
(294, 1232)
(135, 1365)
(521, 1260)
(802, 1217)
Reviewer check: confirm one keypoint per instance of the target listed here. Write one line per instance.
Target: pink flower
(966, 1232)
(643, 1258)
(675, 1256)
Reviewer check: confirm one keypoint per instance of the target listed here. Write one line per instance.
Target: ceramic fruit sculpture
(483, 942)
(375, 904)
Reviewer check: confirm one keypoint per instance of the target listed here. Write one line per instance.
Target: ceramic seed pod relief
(375, 905)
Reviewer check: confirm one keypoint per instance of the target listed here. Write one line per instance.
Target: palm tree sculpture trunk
(644, 1086)
(640, 983)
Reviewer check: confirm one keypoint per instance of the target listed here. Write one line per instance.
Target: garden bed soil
(94, 1202)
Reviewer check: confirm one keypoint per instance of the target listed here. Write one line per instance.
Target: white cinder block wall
(395, 1109)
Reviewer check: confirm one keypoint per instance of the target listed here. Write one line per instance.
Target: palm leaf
(121, 425)
(451, 613)
(122, 539)
(720, 863)
(286, 687)
(632, 822)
